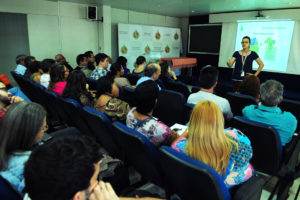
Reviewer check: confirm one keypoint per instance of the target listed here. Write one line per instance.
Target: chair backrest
(178, 87)
(139, 152)
(7, 192)
(293, 107)
(92, 83)
(132, 78)
(55, 101)
(265, 142)
(73, 110)
(195, 89)
(129, 96)
(239, 101)
(190, 178)
(101, 130)
(188, 108)
(170, 107)
(69, 131)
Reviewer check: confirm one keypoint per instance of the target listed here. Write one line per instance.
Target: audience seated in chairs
(227, 151)
(35, 71)
(140, 118)
(250, 86)
(152, 72)
(107, 101)
(208, 81)
(5, 101)
(102, 61)
(78, 89)
(20, 61)
(58, 76)
(23, 127)
(53, 173)
(166, 73)
(82, 62)
(140, 65)
(268, 112)
(45, 66)
(123, 61)
(116, 72)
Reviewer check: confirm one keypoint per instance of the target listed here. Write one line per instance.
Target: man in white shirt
(208, 81)
(20, 61)
(45, 66)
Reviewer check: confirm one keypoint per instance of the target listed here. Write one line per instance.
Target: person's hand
(15, 99)
(87, 87)
(229, 63)
(103, 191)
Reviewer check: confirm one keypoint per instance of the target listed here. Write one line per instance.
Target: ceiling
(184, 8)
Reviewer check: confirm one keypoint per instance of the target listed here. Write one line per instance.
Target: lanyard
(142, 121)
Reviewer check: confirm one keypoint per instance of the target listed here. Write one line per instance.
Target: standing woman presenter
(243, 60)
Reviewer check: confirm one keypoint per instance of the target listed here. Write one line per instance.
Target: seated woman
(107, 101)
(78, 89)
(123, 61)
(166, 73)
(23, 127)
(116, 72)
(227, 151)
(140, 65)
(36, 71)
(140, 118)
(250, 86)
(58, 76)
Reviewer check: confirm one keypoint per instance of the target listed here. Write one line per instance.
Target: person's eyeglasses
(4, 89)
(244, 42)
(45, 128)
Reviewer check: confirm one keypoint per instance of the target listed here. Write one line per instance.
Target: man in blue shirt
(20, 61)
(152, 72)
(268, 112)
(101, 68)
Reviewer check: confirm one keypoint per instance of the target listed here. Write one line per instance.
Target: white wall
(61, 27)
(56, 27)
(133, 17)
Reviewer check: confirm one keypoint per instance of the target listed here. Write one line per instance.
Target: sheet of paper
(179, 128)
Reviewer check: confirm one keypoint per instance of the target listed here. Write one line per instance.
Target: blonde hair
(207, 141)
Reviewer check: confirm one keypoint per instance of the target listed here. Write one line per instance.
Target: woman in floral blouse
(107, 101)
(227, 151)
(140, 118)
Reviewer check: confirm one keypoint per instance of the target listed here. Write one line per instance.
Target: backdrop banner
(152, 42)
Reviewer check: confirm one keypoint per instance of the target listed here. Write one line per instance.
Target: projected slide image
(271, 40)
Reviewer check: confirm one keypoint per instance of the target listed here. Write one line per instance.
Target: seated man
(66, 168)
(82, 62)
(268, 112)
(102, 61)
(208, 81)
(152, 72)
(59, 58)
(20, 60)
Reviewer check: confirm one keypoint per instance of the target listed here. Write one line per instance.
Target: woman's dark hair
(104, 85)
(250, 86)
(140, 60)
(34, 67)
(57, 74)
(76, 86)
(46, 64)
(146, 94)
(28, 60)
(122, 60)
(164, 70)
(114, 69)
(247, 37)
(21, 124)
